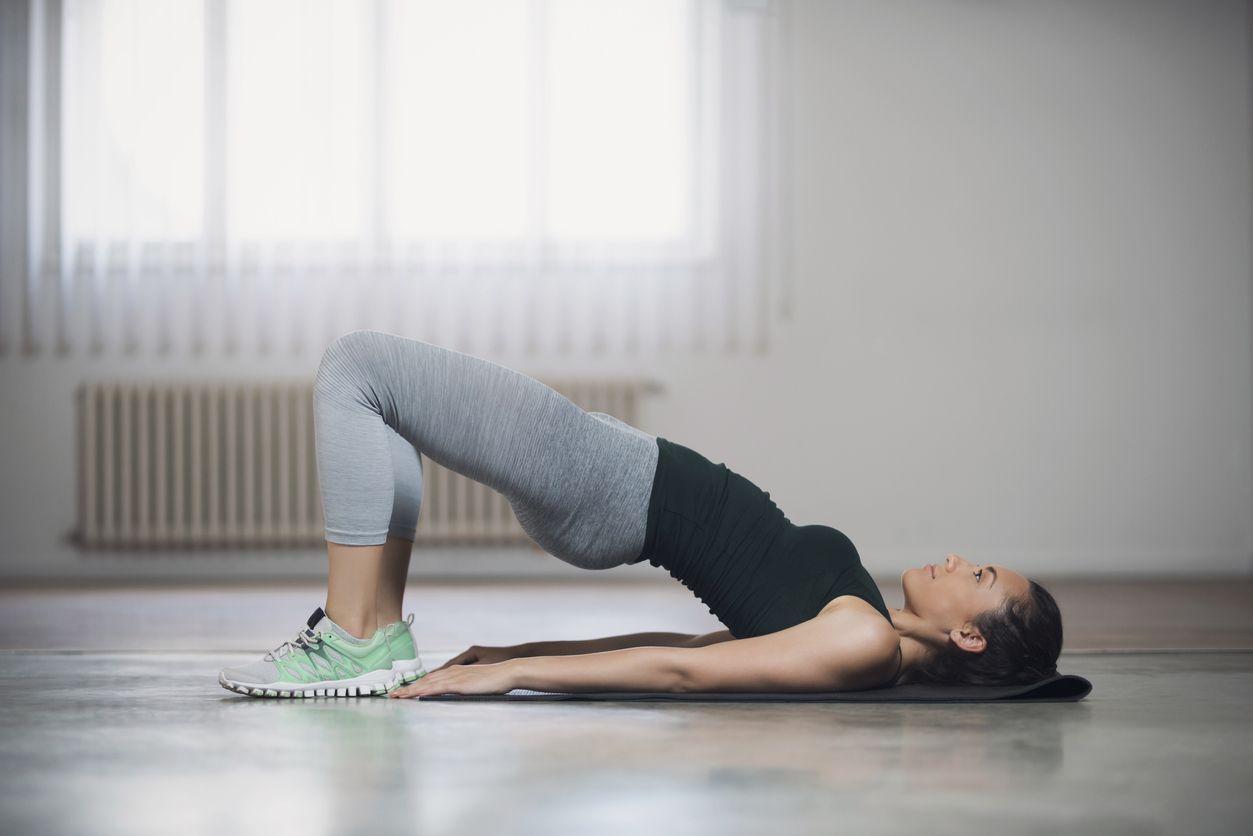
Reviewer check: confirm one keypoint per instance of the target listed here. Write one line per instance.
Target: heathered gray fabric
(578, 481)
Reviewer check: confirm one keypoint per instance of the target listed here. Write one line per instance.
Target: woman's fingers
(465, 679)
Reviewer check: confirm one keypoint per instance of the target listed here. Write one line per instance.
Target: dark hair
(1024, 639)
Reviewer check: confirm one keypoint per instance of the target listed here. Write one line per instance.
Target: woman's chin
(908, 578)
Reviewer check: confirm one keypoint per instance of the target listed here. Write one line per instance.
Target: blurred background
(948, 276)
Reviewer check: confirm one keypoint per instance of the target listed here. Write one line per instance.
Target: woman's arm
(628, 669)
(837, 651)
(480, 655)
(570, 648)
(840, 650)
(654, 669)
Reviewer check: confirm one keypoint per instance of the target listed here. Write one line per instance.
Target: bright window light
(483, 121)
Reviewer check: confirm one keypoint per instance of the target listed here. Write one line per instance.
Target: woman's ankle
(357, 626)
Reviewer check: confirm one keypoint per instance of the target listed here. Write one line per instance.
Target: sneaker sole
(373, 684)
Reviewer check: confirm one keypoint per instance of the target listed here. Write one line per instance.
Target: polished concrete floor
(114, 723)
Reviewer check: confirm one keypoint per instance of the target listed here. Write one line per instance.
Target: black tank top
(723, 538)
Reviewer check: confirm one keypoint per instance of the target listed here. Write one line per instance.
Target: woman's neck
(914, 648)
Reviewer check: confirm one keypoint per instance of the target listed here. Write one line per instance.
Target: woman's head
(986, 625)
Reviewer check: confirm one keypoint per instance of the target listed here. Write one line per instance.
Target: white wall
(1022, 269)
(1023, 233)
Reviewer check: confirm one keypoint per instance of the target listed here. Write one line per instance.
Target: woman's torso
(724, 539)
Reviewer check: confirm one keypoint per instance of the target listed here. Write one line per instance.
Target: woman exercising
(802, 614)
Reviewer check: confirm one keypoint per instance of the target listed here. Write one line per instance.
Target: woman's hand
(479, 655)
(494, 678)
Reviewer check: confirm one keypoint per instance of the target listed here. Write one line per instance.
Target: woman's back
(726, 540)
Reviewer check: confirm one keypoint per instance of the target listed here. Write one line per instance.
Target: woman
(802, 613)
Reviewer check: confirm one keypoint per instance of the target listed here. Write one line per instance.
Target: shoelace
(304, 640)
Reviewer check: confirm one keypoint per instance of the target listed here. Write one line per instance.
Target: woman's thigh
(578, 484)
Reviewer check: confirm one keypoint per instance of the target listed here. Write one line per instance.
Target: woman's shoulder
(850, 620)
(855, 610)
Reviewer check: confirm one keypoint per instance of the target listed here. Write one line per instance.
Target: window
(589, 148)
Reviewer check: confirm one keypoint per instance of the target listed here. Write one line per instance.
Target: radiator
(210, 464)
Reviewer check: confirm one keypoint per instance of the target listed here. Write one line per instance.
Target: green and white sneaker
(406, 663)
(324, 660)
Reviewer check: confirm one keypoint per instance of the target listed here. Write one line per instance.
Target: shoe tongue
(320, 622)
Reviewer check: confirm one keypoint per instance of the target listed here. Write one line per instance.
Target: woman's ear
(968, 638)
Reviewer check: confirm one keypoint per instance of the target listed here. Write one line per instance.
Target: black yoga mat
(1062, 688)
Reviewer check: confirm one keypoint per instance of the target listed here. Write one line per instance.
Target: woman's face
(952, 593)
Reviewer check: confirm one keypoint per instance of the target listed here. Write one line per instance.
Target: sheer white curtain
(502, 176)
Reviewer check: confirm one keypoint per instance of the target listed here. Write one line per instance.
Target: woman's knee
(343, 354)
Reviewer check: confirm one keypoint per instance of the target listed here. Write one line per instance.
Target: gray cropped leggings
(578, 481)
